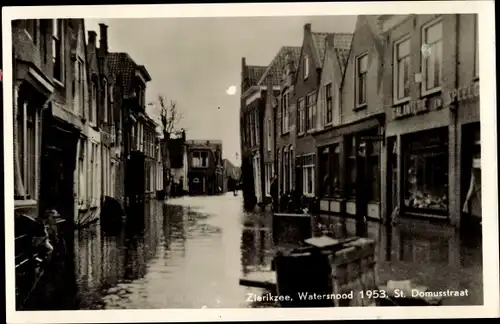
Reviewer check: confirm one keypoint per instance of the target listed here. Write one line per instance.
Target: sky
(193, 61)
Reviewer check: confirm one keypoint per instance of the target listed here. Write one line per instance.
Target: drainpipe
(43, 110)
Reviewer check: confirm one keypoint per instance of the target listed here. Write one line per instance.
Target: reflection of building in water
(135, 260)
(256, 243)
(426, 243)
(88, 258)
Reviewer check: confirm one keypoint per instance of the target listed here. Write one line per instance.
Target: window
(91, 176)
(28, 149)
(306, 67)
(476, 47)
(257, 127)
(311, 111)
(432, 60)
(78, 87)
(269, 136)
(43, 40)
(290, 166)
(93, 106)
(351, 166)
(82, 178)
(301, 119)
(330, 170)
(308, 175)
(200, 159)
(361, 71)
(286, 162)
(105, 99)
(57, 49)
(285, 106)
(402, 69)
(426, 171)
(32, 29)
(329, 103)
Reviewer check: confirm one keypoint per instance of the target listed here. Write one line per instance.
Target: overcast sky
(195, 60)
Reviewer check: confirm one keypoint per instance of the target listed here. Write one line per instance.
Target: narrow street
(193, 252)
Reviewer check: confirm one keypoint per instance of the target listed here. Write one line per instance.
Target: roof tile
(277, 66)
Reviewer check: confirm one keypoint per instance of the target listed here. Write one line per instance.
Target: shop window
(330, 171)
(351, 166)
(425, 172)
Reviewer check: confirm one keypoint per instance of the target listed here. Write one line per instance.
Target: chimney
(92, 37)
(104, 37)
(307, 28)
(243, 63)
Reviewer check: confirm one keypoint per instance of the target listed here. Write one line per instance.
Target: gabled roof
(255, 73)
(277, 66)
(124, 64)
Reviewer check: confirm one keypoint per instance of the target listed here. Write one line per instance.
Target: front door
(362, 187)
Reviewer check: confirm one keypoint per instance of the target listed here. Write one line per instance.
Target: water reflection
(192, 252)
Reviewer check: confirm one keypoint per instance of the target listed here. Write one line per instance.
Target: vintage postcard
(250, 162)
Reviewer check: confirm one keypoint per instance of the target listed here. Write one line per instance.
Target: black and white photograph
(198, 162)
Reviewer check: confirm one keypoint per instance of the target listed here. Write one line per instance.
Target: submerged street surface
(193, 250)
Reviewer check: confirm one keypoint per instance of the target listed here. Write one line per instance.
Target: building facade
(132, 80)
(178, 155)
(252, 106)
(433, 141)
(204, 159)
(280, 70)
(329, 146)
(149, 147)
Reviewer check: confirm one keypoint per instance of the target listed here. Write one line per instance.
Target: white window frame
(269, 134)
(396, 66)
(285, 111)
(313, 117)
(357, 74)
(58, 36)
(327, 86)
(25, 163)
(257, 127)
(105, 99)
(306, 67)
(290, 165)
(93, 101)
(425, 27)
(306, 168)
(301, 103)
(476, 46)
(82, 173)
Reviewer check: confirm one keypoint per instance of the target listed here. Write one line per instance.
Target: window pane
(363, 64)
(403, 49)
(433, 33)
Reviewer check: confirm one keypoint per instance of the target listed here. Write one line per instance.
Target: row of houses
(384, 118)
(81, 131)
(198, 167)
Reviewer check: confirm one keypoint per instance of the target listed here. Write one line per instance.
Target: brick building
(130, 107)
(252, 106)
(205, 167)
(329, 145)
(305, 96)
(278, 133)
(432, 107)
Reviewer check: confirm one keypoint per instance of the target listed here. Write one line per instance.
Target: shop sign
(416, 107)
(467, 92)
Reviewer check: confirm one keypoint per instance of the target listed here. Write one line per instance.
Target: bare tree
(170, 117)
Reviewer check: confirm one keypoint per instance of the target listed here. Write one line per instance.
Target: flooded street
(191, 252)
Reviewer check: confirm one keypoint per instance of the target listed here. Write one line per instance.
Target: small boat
(32, 253)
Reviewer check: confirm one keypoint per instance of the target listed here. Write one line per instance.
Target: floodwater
(191, 252)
